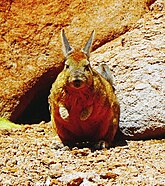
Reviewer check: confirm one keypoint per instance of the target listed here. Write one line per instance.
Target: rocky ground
(32, 155)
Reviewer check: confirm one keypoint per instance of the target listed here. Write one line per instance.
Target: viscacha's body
(83, 104)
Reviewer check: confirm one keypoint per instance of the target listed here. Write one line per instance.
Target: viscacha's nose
(77, 83)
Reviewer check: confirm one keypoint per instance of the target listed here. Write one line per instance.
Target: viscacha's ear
(67, 49)
(87, 48)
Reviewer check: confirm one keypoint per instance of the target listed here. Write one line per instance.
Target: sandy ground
(33, 155)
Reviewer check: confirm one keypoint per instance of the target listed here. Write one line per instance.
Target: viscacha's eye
(66, 66)
(87, 67)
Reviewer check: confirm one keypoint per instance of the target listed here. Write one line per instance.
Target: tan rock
(137, 60)
(30, 45)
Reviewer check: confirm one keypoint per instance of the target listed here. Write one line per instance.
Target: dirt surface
(34, 156)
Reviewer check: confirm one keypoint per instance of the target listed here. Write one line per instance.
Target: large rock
(137, 60)
(30, 45)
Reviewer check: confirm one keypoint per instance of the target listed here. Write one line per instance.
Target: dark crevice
(36, 111)
(34, 107)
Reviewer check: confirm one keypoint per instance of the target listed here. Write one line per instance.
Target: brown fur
(83, 104)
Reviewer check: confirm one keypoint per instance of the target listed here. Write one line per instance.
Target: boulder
(30, 45)
(137, 61)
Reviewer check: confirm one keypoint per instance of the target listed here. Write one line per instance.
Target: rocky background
(31, 58)
(137, 60)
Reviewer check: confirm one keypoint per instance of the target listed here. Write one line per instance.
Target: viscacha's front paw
(102, 144)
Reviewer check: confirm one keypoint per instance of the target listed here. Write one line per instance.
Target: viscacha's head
(77, 66)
